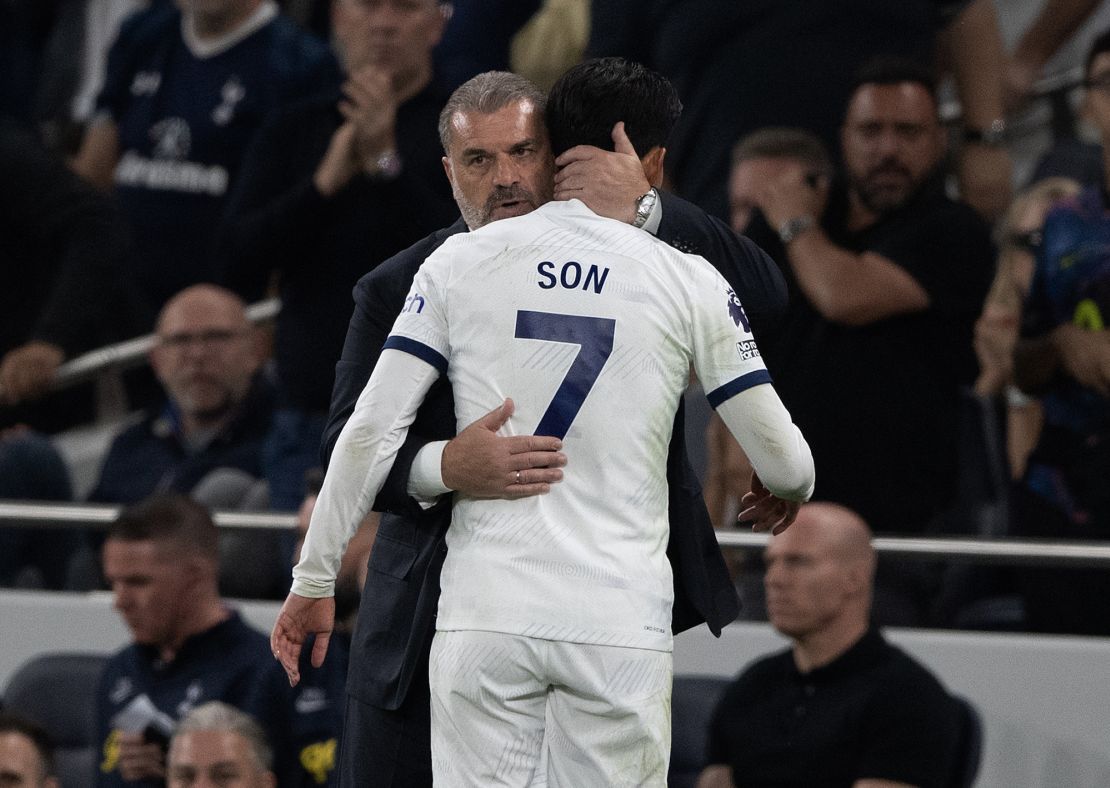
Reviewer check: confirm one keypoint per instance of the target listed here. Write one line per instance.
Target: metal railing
(105, 364)
(35, 514)
(996, 551)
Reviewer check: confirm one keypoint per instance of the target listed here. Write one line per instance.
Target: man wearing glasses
(216, 413)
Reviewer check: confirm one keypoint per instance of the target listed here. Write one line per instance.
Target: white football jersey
(591, 327)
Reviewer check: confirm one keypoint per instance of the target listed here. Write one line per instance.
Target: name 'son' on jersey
(571, 276)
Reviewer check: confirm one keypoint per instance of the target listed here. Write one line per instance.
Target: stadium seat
(693, 699)
(58, 691)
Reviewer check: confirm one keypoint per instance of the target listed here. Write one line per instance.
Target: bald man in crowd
(217, 410)
(841, 706)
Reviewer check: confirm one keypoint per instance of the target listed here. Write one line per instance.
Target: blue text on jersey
(570, 276)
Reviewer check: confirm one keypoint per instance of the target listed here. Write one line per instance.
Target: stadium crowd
(942, 347)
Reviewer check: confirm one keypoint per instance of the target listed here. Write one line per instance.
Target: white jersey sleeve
(413, 356)
(737, 385)
(421, 327)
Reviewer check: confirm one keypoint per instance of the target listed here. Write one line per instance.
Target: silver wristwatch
(645, 203)
(792, 228)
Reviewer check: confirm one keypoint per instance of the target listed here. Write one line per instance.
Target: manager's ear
(652, 162)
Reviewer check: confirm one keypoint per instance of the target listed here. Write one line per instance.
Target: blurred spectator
(160, 560)
(32, 470)
(360, 179)
(743, 66)
(216, 414)
(1054, 24)
(552, 41)
(841, 706)
(1018, 237)
(72, 70)
(26, 754)
(24, 27)
(764, 155)
(757, 159)
(479, 37)
(1065, 359)
(216, 744)
(184, 94)
(63, 249)
(887, 280)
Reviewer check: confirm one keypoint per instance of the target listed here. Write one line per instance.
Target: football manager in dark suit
(386, 726)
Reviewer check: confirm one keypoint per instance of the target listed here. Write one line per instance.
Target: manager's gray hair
(485, 94)
(218, 716)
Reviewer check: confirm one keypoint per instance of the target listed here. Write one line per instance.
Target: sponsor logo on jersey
(166, 175)
(414, 303)
(747, 349)
(736, 311)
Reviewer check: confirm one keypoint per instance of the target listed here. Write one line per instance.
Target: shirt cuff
(312, 589)
(426, 475)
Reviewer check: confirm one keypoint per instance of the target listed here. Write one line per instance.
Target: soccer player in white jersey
(552, 655)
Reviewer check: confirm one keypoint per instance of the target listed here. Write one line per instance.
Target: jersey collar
(210, 47)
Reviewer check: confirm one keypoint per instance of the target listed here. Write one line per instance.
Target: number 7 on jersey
(594, 337)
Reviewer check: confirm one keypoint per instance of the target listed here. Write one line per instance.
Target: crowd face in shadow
(892, 141)
(818, 571)
(395, 36)
(20, 763)
(207, 353)
(150, 585)
(211, 758)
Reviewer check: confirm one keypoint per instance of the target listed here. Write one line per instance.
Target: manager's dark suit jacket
(397, 614)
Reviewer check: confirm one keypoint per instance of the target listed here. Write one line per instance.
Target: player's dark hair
(1098, 46)
(892, 70)
(590, 98)
(35, 733)
(172, 518)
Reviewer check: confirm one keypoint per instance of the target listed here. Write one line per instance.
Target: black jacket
(397, 614)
